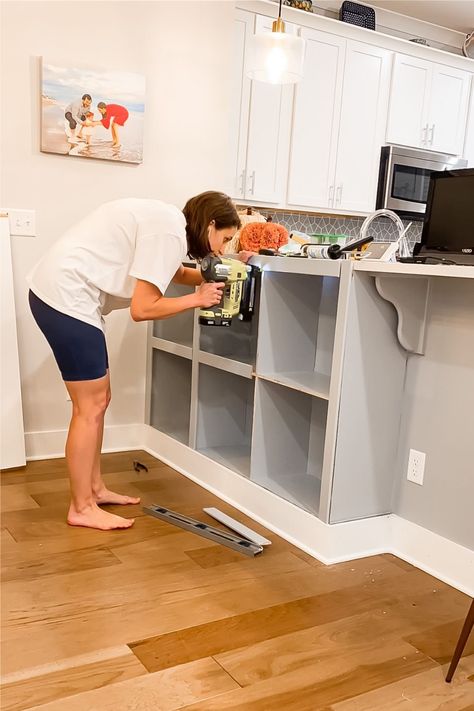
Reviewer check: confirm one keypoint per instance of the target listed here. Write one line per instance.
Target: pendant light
(276, 57)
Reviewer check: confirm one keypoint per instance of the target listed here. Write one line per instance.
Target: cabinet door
(468, 153)
(315, 121)
(362, 126)
(407, 121)
(243, 30)
(268, 134)
(447, 112)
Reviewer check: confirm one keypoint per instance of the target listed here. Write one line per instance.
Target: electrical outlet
(416, 466)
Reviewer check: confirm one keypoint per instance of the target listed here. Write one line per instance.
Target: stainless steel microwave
(404, 178)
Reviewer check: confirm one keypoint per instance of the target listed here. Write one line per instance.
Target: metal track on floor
(202, 529)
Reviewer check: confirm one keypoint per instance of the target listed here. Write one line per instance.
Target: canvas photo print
(92, 114)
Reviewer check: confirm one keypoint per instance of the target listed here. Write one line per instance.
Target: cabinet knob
(339, 194)
(432, 129)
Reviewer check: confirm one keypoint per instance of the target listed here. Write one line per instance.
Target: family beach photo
(92, 114)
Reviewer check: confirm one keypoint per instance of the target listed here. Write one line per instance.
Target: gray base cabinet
(272, 398)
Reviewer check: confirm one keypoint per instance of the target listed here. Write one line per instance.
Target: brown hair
(199, 212)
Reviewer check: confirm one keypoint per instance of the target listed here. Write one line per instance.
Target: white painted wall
(185, 51)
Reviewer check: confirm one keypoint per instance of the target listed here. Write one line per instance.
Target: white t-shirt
(92, 269)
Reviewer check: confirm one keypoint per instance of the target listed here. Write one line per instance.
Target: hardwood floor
(155, 618)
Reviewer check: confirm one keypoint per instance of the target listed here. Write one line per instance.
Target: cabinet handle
(432, 134)
(339, 194)
(424, 133)
(242, 182)
(252, 179)
(331, 196)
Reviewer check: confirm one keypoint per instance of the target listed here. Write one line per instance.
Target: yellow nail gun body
(238, 298)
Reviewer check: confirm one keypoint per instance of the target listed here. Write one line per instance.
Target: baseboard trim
(444, 559)
(50, 444)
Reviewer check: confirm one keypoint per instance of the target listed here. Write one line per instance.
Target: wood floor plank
(15, 498)
(60, 563)
(333, 642)
(164, 691)
(47, 687)
(427, 691)
(220, 635)
(6, 540)
(151, 601)
(43, 470)
(300, 690)
(438, 642)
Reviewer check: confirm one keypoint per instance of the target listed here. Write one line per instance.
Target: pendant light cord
(279, 11)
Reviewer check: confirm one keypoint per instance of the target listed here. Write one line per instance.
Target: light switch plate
(22, 222)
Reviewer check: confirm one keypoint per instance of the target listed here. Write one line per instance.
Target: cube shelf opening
(237, 342)
(288, 446)
(171, 395)
(297, 327)
(178, 329)
(225, 414)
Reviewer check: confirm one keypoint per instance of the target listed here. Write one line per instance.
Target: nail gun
(238, 298)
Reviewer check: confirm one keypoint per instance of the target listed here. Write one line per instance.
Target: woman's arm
(188, 276)
(149, 304)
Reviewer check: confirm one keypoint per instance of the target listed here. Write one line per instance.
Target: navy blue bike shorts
(79, 348)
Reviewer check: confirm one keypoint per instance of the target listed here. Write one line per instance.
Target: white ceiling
(455, 14)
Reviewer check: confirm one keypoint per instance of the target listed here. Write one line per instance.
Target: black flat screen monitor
(448, 226)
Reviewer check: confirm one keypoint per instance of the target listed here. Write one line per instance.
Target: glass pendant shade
(276, 57)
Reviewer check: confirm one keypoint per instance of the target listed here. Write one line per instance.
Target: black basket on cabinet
(356, 14)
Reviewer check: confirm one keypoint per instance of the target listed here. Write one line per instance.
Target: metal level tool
(202, 529)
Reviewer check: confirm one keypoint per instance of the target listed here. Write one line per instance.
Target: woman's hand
(209, 294)
(245, 255)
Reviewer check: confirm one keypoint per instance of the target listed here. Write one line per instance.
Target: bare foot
(105, 496)
(94, 517)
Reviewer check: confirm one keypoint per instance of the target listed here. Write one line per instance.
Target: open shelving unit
(258, 397)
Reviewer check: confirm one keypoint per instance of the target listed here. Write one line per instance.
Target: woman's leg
(115, 136)
(102, 495)
(89, 403)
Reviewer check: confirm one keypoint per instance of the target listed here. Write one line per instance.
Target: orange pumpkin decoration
(258, 235)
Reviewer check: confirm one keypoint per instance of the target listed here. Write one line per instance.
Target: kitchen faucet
(403, 245)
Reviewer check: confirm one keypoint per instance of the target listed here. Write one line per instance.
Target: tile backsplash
(383, 229)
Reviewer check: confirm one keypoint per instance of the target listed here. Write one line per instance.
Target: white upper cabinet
(339, 121)
(264, 117)
(362, 126)
(447, 111)
(315, 120)
(243, 30)
(408, 98)
(428, 105)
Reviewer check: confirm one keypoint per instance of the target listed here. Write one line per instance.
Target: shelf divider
(178, 349)
(228, 364)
